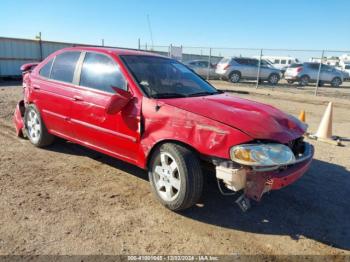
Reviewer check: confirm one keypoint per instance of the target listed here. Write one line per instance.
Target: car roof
(110, 50)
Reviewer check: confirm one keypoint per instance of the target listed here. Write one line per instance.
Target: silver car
(202, 68)
(308, 72)
(236, 68)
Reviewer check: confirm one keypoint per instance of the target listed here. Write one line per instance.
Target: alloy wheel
(166, 177)
(33, 126)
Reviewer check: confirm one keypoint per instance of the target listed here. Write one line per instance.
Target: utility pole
(38, 37)
(150, 31)
(319, 73)
(139, 43)
(258, 76)
(103, 42)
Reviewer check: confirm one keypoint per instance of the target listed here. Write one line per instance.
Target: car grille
(297, 146)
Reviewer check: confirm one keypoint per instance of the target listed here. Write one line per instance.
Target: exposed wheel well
(158, 144)
(304, 76)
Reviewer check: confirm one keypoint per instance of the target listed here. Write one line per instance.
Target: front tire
(176, 176)
(35, 127)
(274, 79)
(336, 82)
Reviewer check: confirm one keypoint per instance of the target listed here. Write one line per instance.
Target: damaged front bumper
(257, 181)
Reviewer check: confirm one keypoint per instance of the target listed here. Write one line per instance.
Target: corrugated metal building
(15, 52)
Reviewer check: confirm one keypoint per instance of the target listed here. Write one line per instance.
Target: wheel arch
(164, 141)
(235, 71)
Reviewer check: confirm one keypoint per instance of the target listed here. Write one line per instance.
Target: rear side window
(64, 66)
(314, 66)
(46, 69)
(253, 62)
(203, 64)
(102, 73)
(225, 61)
(241, 61)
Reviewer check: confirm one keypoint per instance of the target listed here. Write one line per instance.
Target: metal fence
(14, 52)
(278, 58)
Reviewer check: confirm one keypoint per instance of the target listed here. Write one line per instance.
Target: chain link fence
(315, 71)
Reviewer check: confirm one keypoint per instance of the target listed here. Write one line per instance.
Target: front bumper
(257, 181)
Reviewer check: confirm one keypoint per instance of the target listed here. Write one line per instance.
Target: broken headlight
(262, 154)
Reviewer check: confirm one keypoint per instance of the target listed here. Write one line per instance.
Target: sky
(297, 24)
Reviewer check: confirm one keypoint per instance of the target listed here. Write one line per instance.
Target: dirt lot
(69, 200)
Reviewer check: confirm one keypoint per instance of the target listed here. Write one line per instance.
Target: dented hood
(259, 121)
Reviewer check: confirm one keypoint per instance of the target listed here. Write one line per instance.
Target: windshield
(166, 78)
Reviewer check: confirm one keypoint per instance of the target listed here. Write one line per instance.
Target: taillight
(299, 69)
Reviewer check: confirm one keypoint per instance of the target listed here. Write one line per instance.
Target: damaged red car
(156, 113)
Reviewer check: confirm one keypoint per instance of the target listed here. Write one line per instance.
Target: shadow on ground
(317, 206)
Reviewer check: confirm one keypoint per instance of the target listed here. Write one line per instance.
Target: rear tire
(176, 176)
(336, 82)
(235, 77)
(304, 80)
(35, 128)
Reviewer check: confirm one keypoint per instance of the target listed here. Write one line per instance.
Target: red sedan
(156, 113)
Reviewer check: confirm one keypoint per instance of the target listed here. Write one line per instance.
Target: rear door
(116, 134)
(253, 65)
(54, 88)
(312, 71)
(327, 73)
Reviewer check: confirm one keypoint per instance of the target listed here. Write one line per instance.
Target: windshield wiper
(167, 95)
(207, 93)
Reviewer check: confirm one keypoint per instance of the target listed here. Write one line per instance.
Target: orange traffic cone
(302, 116)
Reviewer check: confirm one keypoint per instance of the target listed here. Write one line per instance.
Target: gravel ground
(66, 199)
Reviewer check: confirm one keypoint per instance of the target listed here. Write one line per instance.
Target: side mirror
(118, 101)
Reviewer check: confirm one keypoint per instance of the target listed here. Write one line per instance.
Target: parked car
(154, 112)
(345, 68)
(308, 72)
(202, 68)
(237, 68)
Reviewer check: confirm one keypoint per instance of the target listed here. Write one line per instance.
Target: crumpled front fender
(18, 118)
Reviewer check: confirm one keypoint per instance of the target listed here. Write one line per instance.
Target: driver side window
(102, 73)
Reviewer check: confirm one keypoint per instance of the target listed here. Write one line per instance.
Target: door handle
(36, 87)
(77, 98)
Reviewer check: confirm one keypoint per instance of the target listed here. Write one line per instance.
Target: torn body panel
(18, 118)
(208, 137)
(256, 182)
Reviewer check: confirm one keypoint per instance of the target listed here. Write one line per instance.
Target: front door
(115, 134)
